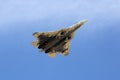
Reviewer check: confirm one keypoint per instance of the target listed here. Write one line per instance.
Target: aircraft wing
(63, 48)
(43, 38)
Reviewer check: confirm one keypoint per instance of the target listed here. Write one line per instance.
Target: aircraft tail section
(53, 55)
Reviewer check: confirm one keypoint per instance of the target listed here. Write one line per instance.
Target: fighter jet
(56, 41)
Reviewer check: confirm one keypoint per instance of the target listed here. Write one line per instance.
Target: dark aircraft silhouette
(56, 41)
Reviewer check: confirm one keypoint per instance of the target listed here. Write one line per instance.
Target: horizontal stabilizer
(34, 44)
(53, 55)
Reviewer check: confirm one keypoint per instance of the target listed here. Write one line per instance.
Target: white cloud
(12, 11)
(29, 10)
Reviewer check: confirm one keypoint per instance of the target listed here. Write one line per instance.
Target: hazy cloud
(12, 11)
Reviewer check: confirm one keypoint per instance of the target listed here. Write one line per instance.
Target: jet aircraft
(56, 41)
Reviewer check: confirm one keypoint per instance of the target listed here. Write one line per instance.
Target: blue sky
(94, 51)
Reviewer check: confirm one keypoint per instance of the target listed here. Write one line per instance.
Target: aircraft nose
(82, 22)
(78, 25)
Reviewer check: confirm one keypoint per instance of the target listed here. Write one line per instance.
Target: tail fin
(36, 34)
